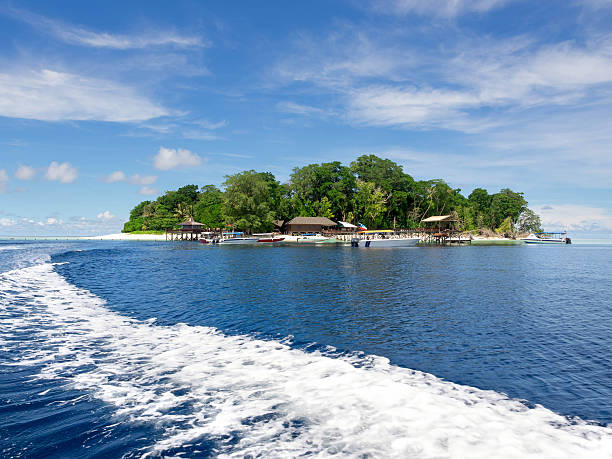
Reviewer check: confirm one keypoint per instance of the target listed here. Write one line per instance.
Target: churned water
(177, 349)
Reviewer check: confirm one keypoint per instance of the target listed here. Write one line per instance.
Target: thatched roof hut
(191, 225)
(309, 224)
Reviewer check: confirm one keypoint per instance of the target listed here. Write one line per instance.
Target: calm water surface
(128, 349)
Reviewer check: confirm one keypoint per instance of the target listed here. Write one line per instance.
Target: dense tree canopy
(372, 190)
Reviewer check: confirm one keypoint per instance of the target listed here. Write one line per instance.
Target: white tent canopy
(347, 225)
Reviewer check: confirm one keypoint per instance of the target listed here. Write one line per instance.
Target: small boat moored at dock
(271, 240)
(309, 238)
(237, 238)
(382, 239)
(547, 238)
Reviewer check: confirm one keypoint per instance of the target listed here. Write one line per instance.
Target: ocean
(137, 349)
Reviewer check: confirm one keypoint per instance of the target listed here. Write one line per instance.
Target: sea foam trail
(194, 384)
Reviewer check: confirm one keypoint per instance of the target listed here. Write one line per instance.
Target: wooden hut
(441, 229)
(190, 231)
(309, 225)
(191, 225)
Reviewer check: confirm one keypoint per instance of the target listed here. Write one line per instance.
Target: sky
(105, 104)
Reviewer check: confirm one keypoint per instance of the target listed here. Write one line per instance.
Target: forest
(372, 191)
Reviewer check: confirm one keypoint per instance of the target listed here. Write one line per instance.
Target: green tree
(332, 180)
(529, 222)
(390, 177)
(480, 199)
(507, 203)
(506, 227)
(137, 211)
(371, 202)
(183, 211)
(322, 208)
(208, 210)
(248, 202)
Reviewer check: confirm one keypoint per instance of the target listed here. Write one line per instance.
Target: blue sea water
(112, 349)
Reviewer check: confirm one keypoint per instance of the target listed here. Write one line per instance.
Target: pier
(190, 231)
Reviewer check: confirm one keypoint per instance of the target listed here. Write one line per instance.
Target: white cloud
(171, 158)
(106, 215)
(116, 176)
(210, 125)
(298, 109)
(596, 4)
(445, 8)
(574, 218)
(4, 178)
(64, 172)
(381, 105)
(81, 36)
(55, 225)
(462, 85)
(50, 95)
(136, 179)
(146, 191)
(85, 37)
(25, 173)
(196, 134)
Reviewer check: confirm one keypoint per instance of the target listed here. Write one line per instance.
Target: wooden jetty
(190, 231)
(442, 230)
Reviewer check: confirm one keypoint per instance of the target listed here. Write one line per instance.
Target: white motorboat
(309, 238)
(382, 239)
(547, 238)
(237, 238)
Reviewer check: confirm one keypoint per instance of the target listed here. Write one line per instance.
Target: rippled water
(111, 349)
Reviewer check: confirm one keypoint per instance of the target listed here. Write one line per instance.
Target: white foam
(9, 247)
(193, 382)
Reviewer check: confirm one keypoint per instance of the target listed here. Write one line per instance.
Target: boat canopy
(376, 231)
(236, 233)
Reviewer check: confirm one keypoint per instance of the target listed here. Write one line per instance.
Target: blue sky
(103, 105)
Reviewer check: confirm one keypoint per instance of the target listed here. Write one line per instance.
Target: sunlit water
(170, 349)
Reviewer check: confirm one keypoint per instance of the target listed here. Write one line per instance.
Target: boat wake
(248, 396)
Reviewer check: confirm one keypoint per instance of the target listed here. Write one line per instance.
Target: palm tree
(183, 211)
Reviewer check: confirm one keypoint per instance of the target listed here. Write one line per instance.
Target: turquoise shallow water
(168, 348)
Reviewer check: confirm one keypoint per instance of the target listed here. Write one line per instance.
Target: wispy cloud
(49, 95)
(445, 8)
(146, 191)
(136, 179)
(79, 35)
(4, 179)
(298, 109)
(206, 124)
(5, 221)
(196, 134)
(464, 85)
(64, 172)
(575, 218)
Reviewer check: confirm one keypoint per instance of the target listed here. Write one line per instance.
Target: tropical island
(372, 191)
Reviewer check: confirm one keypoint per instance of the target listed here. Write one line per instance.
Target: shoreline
(478, 240)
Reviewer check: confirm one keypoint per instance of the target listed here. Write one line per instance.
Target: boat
(382, 239)
(208, 237)
(546, 237)
(271, 240)
(237, 237)
(310, 238)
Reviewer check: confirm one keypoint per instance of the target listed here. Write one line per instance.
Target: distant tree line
(372, 191)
